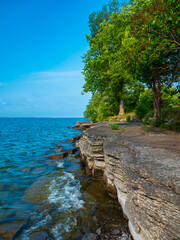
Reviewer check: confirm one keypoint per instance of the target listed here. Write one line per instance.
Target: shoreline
(141, 168)
(101, 217)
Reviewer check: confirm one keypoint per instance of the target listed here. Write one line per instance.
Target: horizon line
(43, 117)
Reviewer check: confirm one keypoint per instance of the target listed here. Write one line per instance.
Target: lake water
(39, 196)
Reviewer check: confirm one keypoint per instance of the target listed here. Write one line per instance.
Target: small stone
(124, 237)
(115, 232)
(98, 231)
(90, 236)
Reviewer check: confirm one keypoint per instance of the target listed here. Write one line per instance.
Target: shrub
(128, 119)
(100, 107)
(175, 126)
(114, 126)
(145, 103)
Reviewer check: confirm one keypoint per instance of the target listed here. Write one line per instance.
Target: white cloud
(68, 73)
(52, 76)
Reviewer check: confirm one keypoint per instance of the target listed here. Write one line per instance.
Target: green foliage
(97, 18)
(131, 97)
(128, 119)
(145, 103)
(137, 44)
(114, 126)
(170, 98)
(171, 114)
(175, 126)
(100, 107)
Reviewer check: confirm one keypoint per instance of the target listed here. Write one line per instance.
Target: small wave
(65, 194)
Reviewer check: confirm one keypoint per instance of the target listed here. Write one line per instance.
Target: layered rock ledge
(140, 167)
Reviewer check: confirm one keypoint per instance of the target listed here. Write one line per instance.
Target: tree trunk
(121, 107)
(157, 101)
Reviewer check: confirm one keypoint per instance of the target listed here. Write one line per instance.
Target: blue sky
(41, 45)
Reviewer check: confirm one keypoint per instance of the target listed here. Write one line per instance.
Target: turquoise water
(43, 196)
(24, 170)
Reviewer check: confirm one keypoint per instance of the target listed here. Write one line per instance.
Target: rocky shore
(75, 198)
(140, 167)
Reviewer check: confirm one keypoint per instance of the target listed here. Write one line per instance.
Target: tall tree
(153, 55)
(103, 69)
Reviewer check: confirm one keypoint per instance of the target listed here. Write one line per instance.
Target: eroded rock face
(143, 168)
(91, 148)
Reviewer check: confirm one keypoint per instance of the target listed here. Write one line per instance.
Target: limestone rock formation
(142, 168)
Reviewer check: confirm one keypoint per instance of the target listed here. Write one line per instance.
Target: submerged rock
(10, 229)
(57, 156)
(90, 236)
(98, 231)
(71, 151)
(76, 236)
(125, 237)
(39, 236)
(115, 232)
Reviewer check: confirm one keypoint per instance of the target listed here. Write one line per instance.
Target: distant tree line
(132, 48)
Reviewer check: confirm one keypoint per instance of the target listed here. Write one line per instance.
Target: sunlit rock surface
(142, 168)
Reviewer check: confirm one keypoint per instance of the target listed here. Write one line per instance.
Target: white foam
(65, 194)
(64, 227)
(60, 164)
(39, 223)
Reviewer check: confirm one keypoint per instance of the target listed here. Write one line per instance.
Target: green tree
(153, 55)
(98, 17)
(104, 69)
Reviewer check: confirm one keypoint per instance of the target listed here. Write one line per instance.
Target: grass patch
(114, 126)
